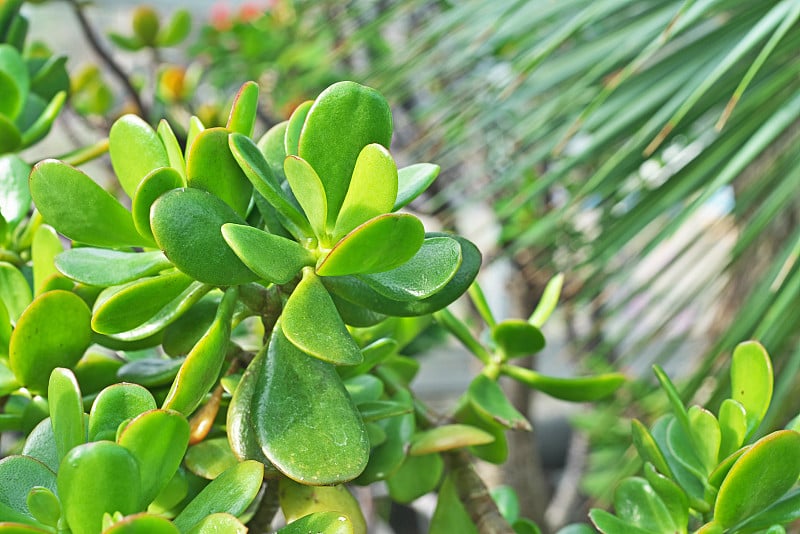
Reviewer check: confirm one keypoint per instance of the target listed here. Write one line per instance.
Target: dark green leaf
(274, 258)
(489, 401)
(417, 476)
(516, 338)
(150, 372)
(450, 515)
(581, 389)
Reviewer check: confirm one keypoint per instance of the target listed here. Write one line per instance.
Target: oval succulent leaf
(637, 503)
(15, 293)
(672, 495)
(173, 148)
(517, 338)
(610, 524)
(417, 476)
(273, 258)
(488, 400)
(327, 522)
(142, 523)
(150, 372)
(187, 226)
(412, 181)
(135, 150)
(15, 197)
(241, 431)
(219, 522)
(66, 410)
(12, 65)
(10, 136)
(104, 267)
(647, 447)
(751, 381)
(114, 405)
(432, 267)
(706, 436)
(44, 506)
(580, 389)
(309, 192)
(242, 118)
(372, 190)
(273, 149)
(210, 166)
(387, 457)
(209, 458)
(733, 427)
(380, 244)
(152, 186)
(35, 350)
(294, 126)
(20, 474)
(297, 397)
(45, 247)
(344, 119)
(448, 437)
(312, 323)
(80, 209)
(299, 500)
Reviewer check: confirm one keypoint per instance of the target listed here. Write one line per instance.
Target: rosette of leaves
(301, 227)
(33, 87)
(708, 473)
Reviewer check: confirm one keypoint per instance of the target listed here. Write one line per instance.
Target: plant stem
(106, 58)
(85, 154)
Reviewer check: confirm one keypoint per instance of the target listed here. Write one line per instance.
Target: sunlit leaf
(135, 150)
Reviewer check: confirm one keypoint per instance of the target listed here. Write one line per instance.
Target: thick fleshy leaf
(150, 372)
(733, 427)
(386, 458)
(380, 244)
(683, 450)
(450, 514)
(432, 267)
(195, 127)
(297, 397)
(372, 190)
(636, 502)
(273, 149)
(117, 404)
(417, 476)
(759, 477)
(515, 338)
(344, 119)
(611, 524)
(158, 440)
(41, 445)
(15, 293)
(44, 121)
(210, 166)
(783, 512)
(382, 409)
(209, 458)
(44, 505)
(294, 126)
(751, 381)
(176, 29)
(310, 321)
(187, 225)
(97, 370)
(310, 194)
(327, 522)
(15, 197)
(260, 174)
(66, 410)
(374, 354)
(12, 65)
(683, 476)
(10, 136)
(45, 247)
(364, 388)
(674, 498)
(104, 267)
(298, 500)
(80, 209)
(152, 186)
(173, 148)
(135, 150)
(140, 308)
(548, 302)
(273, 258)
(412, 181)
(95, 479)
(142, 523)
(706, 436)
(230, 493)
(488, 400)
(202, 366)
(448, 437)
(241, 431)
(183, 334)
(581, 389)
(54, 331)
(719, 473)
(242, 118)
(219, 522)
(20, 474)
(647, 447)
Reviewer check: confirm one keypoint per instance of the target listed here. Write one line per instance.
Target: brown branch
(475, 496)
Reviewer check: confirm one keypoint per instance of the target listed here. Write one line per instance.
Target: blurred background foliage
(647, 149)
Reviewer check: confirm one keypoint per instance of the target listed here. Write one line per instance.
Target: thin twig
(475, 496)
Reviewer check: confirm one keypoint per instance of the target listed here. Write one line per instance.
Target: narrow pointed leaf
(210, 166)
(242, 118)
(312, 324)
(34, 352)
(580, 389)
(114, 405)
(412, 181)
(309, 192)
(104, 267)
(152, 186)
(172, 147)
(296, 397)
(648, 449)
(448, 437)
(344, 119)
(80, 209)
(548, 302)
(294, 126)
(273, 258)
(135, 150)
(66, 410)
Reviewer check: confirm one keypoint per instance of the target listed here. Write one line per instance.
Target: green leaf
(103, 267)
(648, 449)
(298, 500)
(41, 445)
(489, 401)
(682, 448)
(310, 194)
(516, 338)
(15, 293)
(20, 474)
(507, 502)
(140, 308)
(674, 498)
(327, 522)
(45, 247)
(173, 148)
(382, 409)
(751, 381)
(344, 119)
(417, 476)
(240, 423)
(150, 372)
(10, 136)
(152, 186)
(448, 437)
(44, 505)
(548, 302)
(783, 512)
(158, 440)
(759, 477)
(135, 150)
(13, 66)
(219, 522)
(242, 118)
(66, 410)
(610, 524)
(364, 388)
(273, 258)
(427, 272)
(706, 436)
(97, 370)
(54, 331)
(294, 126)
(114, 405)
(181, 335)
(210, 166)
(380, 244)
(41, 126)
(80, 209)
(296, 397)
(450, 515)
(210, 457)
(372, 190)
(386, 458)
(230, 493)
(733, 427)
(15, 197)
(412, 181)
(311, 323)
(195, 127)
(186, 224)
(272, 147)
(637, 503)
(581, 389)
(129, 43)
(202, 366)
(176, 30)
(142, 523)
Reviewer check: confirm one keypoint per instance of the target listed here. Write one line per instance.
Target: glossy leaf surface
(636, 502)
(242, 118)
(34, 352)
(297, 397)
(294, 126)
(210, 457)
(66, 410)
(751, 381)
(240, 422)
(582, 389)
(298, 500)
(309, 192)
(135, 150)
(103, 267)
(150, 372)
(517, 338)
(733, 427)
(45, 247)
(412, 181)
(327, 522)
(152, 186)
(14, 290)
(417, 476)
(450, 515)
(15, 197)
(142, 524)
(219, 522)
(210, 166)
(488, 400)
(273, 258)
(448, 437)
(80, 209)
(117, 404)
(44, 505)
(173, 148)
(272, 147)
